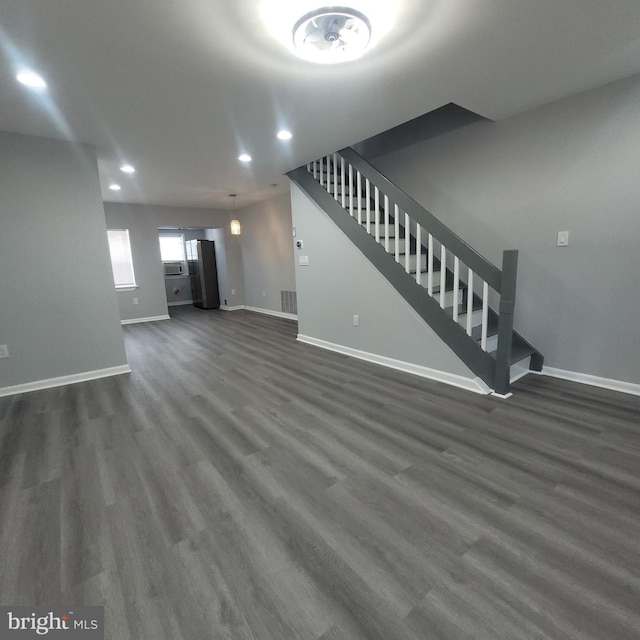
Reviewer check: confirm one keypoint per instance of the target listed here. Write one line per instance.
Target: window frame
(181, 237)
(126, 258)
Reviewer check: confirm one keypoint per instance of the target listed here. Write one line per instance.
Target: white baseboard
(177, 304)
(224, 307)
(64, 380)
(475, 385)
(595, 381)
(149, 319)
(269, 312)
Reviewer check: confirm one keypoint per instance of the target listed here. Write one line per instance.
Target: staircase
(464, 298)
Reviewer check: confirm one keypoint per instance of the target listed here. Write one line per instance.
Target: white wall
(572, 165)
(58, 309)
(340, 282)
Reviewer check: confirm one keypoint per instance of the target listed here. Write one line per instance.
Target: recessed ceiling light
(31, 79)
(284, 135)
(331, 35)
(245, 157)
(115, 187)
(127, 168)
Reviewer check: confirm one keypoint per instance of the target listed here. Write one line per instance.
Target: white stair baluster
(430, 266)
(376, 213)
(315, 169)
(351, 190)
(469, 301)
(335, 176)
(456, 286)
(343, 187)
(443, 273)
(407, 242)
(359, 188)
(367, 192)
(485, 315)
(418, 253)
(396, 230)
(386, 223)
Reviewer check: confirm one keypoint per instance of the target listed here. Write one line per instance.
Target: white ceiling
(180, 87)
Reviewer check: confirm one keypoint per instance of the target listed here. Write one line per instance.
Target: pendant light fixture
(236, 230)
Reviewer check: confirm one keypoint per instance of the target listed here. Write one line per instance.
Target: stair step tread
(462, 308)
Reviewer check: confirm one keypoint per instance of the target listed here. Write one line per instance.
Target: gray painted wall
(58, 309)
(267, 252)
(340, 283)
(572, 165)
(147, 266)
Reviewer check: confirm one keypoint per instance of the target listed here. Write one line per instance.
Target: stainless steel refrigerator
(203, 274)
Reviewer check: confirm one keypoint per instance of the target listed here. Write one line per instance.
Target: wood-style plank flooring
(241, 485)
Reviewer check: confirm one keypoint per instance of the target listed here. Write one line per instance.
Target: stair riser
(448, 296)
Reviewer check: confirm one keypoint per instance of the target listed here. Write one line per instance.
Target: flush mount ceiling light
(244, 157)
(127, 168)
(331, 35)
(115, 187)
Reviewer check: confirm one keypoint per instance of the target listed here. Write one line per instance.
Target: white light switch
(563, 238)
(304, 261)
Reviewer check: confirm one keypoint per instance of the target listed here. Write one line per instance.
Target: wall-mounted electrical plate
(356, 321)
(4, 351)
(563, 238)
(304, 261)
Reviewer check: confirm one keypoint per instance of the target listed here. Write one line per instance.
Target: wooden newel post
(505, 320)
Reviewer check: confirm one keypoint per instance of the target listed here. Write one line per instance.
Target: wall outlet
(233, 292)
(4, 351)
(225, 302)
(135, 301)
(563, 238)
(264, 293)
(356, 321)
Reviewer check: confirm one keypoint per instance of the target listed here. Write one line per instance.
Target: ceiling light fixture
(245, 157)
(31, 79)
(115, 187)
(127, 168)
(284, 135)
(331, 35)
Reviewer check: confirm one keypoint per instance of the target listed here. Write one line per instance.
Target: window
(172, 248)
(121, 261)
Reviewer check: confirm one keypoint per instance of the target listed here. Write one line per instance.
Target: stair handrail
(477, 262)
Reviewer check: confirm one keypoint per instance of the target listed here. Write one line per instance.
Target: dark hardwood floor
(241, 485)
